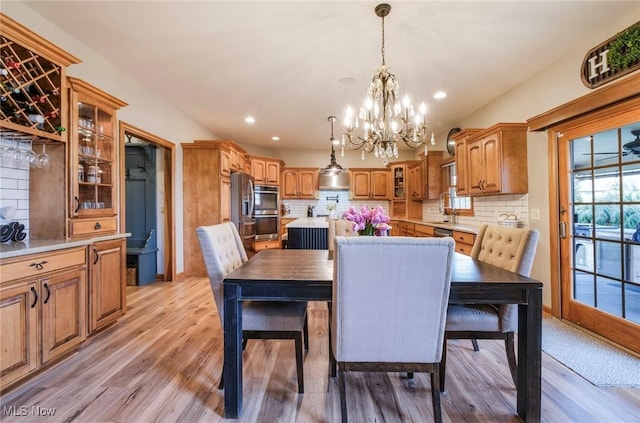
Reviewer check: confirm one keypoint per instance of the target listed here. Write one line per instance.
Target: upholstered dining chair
(389, 300)
(339, 227)
(512, 249)
(223, 252)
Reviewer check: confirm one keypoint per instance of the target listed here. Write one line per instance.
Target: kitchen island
(308, 233)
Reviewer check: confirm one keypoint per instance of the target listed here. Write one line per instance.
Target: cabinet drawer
(424, 231)
(464, 237)
(42, 263)
(463, 248)
(263, 245)
(93, 226)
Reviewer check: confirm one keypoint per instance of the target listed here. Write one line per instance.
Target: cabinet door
(106, 284)
(475, 158)
(19, 328)
(360, 185)
(272, 173)
(431, 174)
(234, 161)
(225, 163)
(307, 182)
(258, 170)
(398, 175)
(492, 164)
(225, 199)
(289, 184)
(380, 184)
(63, 299)
(462, 180)
(414, 182)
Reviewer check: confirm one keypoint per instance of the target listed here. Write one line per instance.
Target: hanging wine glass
(32, 156)
(43, 158)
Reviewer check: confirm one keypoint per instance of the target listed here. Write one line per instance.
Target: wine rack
(32, 78)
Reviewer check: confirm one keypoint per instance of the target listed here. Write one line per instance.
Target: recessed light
(275, 138)
(249, 119)
(440, 94)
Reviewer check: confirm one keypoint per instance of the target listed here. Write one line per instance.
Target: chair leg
(509, 344)
(475, 345)
(343, 392)
(305, 331)
(299, 361)
(443, 365)
(221, 384)
(435, 394)
(332, 359)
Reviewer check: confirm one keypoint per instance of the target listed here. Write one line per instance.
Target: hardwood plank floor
(162, 361)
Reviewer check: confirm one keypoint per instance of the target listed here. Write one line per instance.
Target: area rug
(595, 360)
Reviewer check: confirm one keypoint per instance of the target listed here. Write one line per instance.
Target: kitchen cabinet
(429, 179)
(107, 300)
(94, 161)
(206, 189)
(42, 310)
(370, 184)
(462, 165)
(265, 171)
(414, 184)
(464, 242)
(497, 160)
(401, 205)
(299, 183)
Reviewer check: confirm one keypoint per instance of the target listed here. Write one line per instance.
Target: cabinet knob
(98, 226)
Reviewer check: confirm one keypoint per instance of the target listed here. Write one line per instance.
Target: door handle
(563, 230)
(46, 286)
(95, 251)
(35, 297)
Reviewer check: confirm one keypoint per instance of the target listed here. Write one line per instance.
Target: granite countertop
(33, 246)
(309, 222)
(461, 227)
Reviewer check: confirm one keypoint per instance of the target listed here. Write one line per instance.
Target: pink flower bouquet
(368, 221)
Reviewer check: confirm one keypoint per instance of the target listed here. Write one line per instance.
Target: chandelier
(385, 120)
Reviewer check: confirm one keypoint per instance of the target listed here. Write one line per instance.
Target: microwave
(266, 200)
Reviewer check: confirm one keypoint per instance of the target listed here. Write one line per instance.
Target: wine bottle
(13, 65)
(36, 94)
(7, 87)
(37, 119)
(4, 72)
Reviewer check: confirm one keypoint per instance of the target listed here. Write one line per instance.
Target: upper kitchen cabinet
(401, 204)
(370, 184)
(265, 171)
(460, 138)
(497, 160)
(429, 185)
(299, 183)
(33, 91)
(94, 158)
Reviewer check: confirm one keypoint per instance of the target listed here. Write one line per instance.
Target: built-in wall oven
(266, 212)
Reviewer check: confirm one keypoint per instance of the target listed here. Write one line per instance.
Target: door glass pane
(606, 149)
(609, 295)
(607, 218)
(608, 259)
(632, 302)
(581, 152)
(584, 288)
(630, 143)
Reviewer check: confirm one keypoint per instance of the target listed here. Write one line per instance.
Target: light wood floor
(162, 362)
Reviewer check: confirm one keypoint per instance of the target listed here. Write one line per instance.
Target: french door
(599, 189)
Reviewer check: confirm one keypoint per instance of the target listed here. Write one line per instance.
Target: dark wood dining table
(307, 275)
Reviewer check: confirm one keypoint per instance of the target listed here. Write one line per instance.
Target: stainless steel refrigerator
(242, 203)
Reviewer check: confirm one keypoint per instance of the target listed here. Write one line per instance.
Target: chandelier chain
(382, 48)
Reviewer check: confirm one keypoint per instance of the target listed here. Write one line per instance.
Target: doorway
(151, 162)
(599, 209)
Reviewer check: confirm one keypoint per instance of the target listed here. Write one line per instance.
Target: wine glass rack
(30, 90)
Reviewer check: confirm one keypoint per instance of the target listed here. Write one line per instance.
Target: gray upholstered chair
(509, 248)
(390, 297)
(223, 252)
(340, 227)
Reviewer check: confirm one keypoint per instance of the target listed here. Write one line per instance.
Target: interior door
(599, 185)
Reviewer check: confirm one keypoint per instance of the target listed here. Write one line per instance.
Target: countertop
(33, 246)
(460, 227)
(309, 222)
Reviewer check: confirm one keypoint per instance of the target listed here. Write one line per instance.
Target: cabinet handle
(95, 251)
(98, 226)
(77, 204)
(38, 266)
(35, 297)
(46, 286)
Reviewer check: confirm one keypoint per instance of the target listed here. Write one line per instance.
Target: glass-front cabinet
(94, 152)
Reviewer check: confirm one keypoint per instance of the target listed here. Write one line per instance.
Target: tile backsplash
(14, 191)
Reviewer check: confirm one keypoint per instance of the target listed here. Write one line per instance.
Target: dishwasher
(442, 232)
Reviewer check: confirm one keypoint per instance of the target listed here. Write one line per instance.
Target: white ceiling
(286, 62)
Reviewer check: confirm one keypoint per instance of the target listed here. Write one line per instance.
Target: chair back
(340, 227)
(512, 249)
(390, 296)
(223, 252)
